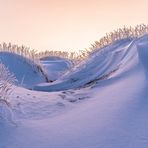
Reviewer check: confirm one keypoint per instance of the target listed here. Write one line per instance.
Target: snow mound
(111, 61)
(109, 111)
(55, 66)
(26, 72)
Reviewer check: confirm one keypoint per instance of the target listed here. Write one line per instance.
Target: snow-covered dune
(103, 64)
(26, 72)
(109, 110)
(55, 66)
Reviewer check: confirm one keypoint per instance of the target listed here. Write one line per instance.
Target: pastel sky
(66, 24)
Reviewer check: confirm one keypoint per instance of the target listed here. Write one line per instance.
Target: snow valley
(57, 102)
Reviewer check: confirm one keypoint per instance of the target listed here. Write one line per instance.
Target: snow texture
(101, 103)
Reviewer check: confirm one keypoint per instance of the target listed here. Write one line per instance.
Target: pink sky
(66, 24)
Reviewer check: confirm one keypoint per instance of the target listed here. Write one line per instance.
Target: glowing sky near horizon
(66, 24)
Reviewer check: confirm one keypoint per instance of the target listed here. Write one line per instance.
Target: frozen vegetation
(100, 102)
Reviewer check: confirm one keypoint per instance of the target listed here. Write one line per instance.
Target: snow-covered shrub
(119, 34)
(6, 87)
(6, 82)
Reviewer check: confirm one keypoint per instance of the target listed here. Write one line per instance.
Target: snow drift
(101, 103)
(55, 66)
(26, 72)
(106, 63)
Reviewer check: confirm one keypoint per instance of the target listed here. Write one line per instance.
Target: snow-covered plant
(29, 56)
(118, 34)
(6, 87)
(6, 84)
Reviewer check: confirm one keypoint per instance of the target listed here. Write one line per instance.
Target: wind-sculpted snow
(106, 63)
(26, 72)
(102, 104)
(55, 66)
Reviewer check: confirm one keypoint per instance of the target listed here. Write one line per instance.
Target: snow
(106, 107)
(97, 66)
(25, 72)
(55, 66)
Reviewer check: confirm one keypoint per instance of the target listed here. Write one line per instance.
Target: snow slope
(98, 66)
(24, 70)
(109, 111)
(55, 66)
